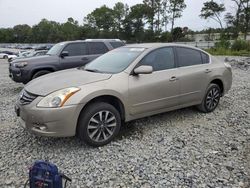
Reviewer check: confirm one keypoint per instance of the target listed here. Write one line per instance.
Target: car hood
(49, 83)
(36, 59)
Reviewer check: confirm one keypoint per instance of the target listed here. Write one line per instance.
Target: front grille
(26, 97)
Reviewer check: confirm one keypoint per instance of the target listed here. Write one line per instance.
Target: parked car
(21, 54)
(28, 54)
(39, 53)
(7, 54)
(64, 55)
(26, 47)
(44, 47)
(122, 85)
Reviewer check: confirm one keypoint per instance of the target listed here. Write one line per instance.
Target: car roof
(93, 40)
(103, 40)
(158, 45)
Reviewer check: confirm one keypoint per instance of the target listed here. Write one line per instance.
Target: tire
(211, 99)
(5, 57)
(40, 73)
(98, 124)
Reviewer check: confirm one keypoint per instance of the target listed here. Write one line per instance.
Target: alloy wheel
(213, 98)
(101, 126)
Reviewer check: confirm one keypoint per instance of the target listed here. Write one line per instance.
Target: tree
(87, 31)
(153, 10)
(212, 10)
(176, 8)
(136, 21)
(165, 13)
(102, 18)
(177, 34)
(149, 11)
(246, 10)
(241, 20)
(22, 33)
(70, 29)
(158, 12)
(6, 35)
(47, 31)
(120, 11)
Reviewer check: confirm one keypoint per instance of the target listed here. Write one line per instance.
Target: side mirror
(143, 70)
(64, 54)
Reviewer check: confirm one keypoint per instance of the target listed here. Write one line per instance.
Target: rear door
(96, 49)
(78, 55)
(193, 75)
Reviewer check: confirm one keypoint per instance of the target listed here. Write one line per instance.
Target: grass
(228, 52)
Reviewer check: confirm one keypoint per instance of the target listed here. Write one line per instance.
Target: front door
(77, 56)
(156, 91)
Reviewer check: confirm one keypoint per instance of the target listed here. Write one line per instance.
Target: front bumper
(18, 75)
(52, 122)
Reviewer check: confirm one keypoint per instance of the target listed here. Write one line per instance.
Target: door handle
(173, 78)
(208, 71)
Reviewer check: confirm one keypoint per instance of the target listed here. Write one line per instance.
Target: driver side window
(160, 59)
(76, 49)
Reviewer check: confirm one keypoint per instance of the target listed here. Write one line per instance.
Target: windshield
(114, 61)
(24, 54)
(56, 49)
(30, 54)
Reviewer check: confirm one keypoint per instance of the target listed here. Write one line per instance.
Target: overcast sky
(13, 12)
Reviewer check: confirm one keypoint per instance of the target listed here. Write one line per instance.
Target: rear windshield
(114, 61)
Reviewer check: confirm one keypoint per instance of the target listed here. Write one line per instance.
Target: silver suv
(127, 83)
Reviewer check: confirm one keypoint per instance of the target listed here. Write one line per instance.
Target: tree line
(236, 22)
(149, 21)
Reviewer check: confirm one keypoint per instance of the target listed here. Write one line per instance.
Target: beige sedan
(127, 83)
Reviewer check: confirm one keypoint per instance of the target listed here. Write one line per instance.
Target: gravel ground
(183, 148)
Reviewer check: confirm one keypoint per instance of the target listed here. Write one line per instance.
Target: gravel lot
(184, 148)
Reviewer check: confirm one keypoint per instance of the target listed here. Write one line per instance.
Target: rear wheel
(5, 57)
(40, 73)
(211, 99)
(99, 124)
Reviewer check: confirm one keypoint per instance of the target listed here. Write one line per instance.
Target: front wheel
(211, 99)
(99, 124)
(40, 73)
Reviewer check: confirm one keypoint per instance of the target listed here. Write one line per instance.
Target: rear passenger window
(160, 59)
(188, 57)
(116, 44)
(97, 48)
(205, 58)
(76, 49)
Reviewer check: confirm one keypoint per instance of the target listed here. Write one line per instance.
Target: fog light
(39, 126)
(43, 128)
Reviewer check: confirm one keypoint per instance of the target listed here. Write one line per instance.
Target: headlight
(20, 64)
(58, 98)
